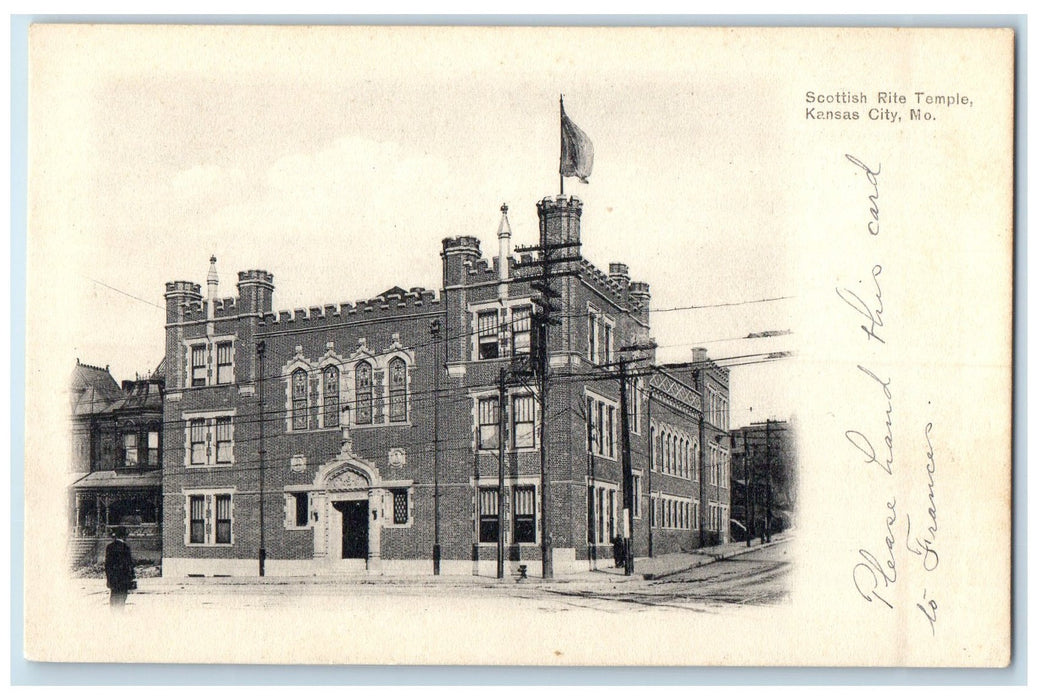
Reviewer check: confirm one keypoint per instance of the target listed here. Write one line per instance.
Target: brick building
(367, 436)
(764, 456)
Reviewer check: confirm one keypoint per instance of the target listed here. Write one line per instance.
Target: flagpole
(562, 146)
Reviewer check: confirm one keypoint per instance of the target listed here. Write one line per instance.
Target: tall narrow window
(488, 427)
(599, 427)
(400, 506)
(486, 329)
(223, 519)
(364, 399)
(224, 367)
(607, 344)
(224, 435)
(130, 449)
(658, 449)
(590, 424)
(488, 515)
(196, 533)
(524, 523)
(154, 459)
(302, 503)
(602, 536)
(198, 435)
(523, 421)
(610, 434)
(637, 496)
(299, 402)
(331, 396)
(397, 391)
(592, 337)
(521, 330)
(198, 365)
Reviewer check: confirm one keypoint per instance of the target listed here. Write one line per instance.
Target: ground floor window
(525, 514)
(400, 507)
(488, 525)
(209, 518)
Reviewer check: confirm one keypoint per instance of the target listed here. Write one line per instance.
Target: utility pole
(592, 531)
(628, 475)
(261, 348)
(652, 465)
(434, 331)
(501, 473)
(746, 479)
(767, 470)
(542, 322)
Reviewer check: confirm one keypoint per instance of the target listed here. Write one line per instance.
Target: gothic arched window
(331, 396)
(299, 402)
(363, 395)
(397, 391)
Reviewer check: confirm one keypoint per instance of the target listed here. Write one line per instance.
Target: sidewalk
(645, 569)
(666, 564)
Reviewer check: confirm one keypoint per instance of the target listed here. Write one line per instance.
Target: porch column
(376, 513)
(76, 522)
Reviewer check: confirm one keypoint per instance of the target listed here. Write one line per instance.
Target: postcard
(519, 345)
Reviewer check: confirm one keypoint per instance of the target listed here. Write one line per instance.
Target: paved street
(758, 577)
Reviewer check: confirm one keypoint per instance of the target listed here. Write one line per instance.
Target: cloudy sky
(338, 160)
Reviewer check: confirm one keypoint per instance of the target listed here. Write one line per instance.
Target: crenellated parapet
(390, 305)
(225, 308)
(603, 283)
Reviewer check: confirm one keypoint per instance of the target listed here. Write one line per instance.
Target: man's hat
(119, 532)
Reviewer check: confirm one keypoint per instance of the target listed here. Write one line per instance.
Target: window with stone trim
(224, 440)
(224, 363)
(488, 423)
(523, 421)
(209, 518)
(397, 391)
(300, 402)
(301, 501)
(196, 534)
(487, 335)
(488, 525)
(198, 437)
(400, 506)
(363, 395)
(198, 365)
(223, 518)
(524, 512)
(331, 396)
(521, 326)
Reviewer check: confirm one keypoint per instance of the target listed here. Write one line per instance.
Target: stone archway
(339, 487)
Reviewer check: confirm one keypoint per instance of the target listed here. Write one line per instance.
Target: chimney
(618, 273)
(504, 248)
(699, 355)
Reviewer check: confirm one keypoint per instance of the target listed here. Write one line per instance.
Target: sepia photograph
(515, 345)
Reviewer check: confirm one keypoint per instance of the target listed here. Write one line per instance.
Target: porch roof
(112, 479)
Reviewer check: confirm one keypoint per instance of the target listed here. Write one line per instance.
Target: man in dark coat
(118, 567)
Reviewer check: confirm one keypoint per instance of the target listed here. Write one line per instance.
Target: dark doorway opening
(354, 528)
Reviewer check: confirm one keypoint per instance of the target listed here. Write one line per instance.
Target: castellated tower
(180, 297)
